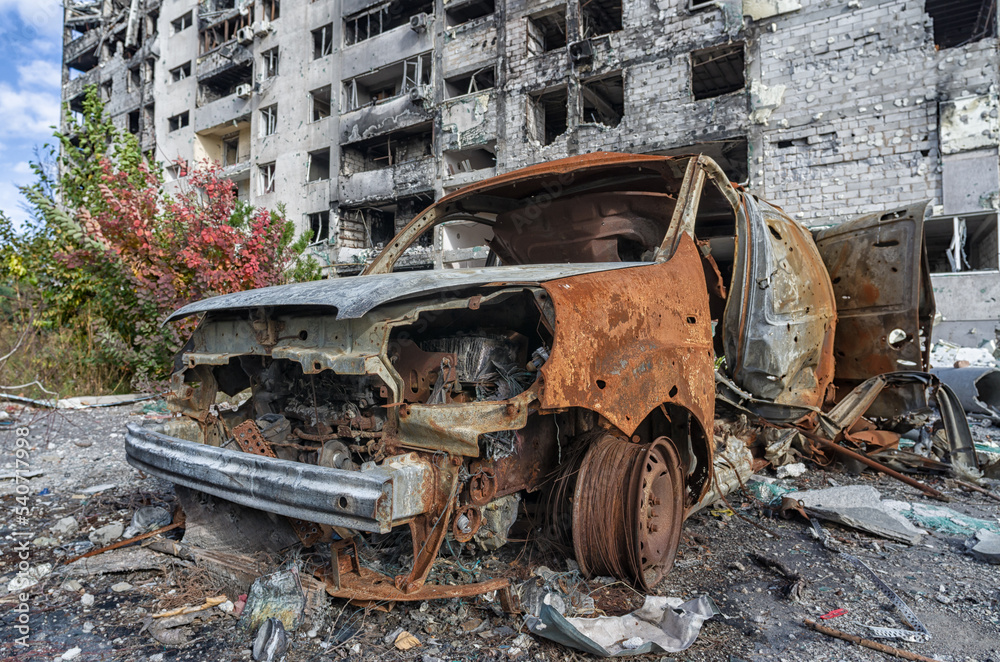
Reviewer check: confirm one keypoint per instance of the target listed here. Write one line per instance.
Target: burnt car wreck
(577, 369)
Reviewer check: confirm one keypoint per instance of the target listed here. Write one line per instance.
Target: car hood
(354, 296)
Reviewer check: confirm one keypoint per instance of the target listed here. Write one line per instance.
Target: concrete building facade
(356, 114)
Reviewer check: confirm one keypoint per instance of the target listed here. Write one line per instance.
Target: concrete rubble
(858, 507)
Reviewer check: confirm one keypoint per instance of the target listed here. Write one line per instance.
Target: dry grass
(61, 361)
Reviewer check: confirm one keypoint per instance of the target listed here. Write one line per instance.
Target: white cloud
(11, 201)
(44, 16)
(27, 114)
(39, 73)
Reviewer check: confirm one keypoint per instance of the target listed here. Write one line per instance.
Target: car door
(779, 318)
(885, 302)
(780, 315)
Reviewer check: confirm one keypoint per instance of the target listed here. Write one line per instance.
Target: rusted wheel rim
(659, 503)
(627, 510)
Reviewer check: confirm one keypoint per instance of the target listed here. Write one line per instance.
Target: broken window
(701, 4)
(599, 17)
(228, 81)
(468, 160)
(319, 165)
(603, 100)
(183, 22)
(106, 88)
(225, 30)
(181, 72)
(322, 41)
(958, 22)
(84, 62)
(269, 62)
(547, 115)
(133, 80)
(484, 79)
(319, 100)
(962, 243)
(319, 225)
(133, 122)
(718, 70)
(231, 149)
(387, 150)
(382, 18)
(272, 9)
(178, 121)
(459, 12)
(269, 120)
(546, 32)
(387, 82)
(367, 227)
(150, 24)
(266, 173)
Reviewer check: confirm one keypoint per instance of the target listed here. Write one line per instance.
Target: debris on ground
(987, 547)
(859, 507)
(271, 641)
(661, 625)
(278, 595)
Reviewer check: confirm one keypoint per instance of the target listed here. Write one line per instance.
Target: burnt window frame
(706, 58)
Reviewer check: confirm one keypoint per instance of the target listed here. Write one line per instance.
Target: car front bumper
(373, 499)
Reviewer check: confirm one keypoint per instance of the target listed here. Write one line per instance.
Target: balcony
(386, 116)
(397, 44)
(393, 182)
(469, 44)
(469, 120)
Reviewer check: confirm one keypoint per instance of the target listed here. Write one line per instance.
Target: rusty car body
(575, 369)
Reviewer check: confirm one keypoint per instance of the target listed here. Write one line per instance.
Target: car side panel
(629, 340)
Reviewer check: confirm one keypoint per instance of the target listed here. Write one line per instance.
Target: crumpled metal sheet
(978, 388)
(630, 340)
(661, 625)
(353, 297)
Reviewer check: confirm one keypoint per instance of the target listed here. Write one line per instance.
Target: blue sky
(31, 48)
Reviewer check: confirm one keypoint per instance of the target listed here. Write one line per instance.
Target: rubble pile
(748, 573)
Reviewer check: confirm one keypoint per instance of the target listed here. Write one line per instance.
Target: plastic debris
(791, 470)
(278, 595)
(31, 577)
(664, 625)
(271, 641)
(833, 614)
(146, 519)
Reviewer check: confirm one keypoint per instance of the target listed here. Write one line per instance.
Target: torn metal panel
(885, 302)
(978, 389)
(353, 297)
(456, 428)
(780, 315)
(622, 348)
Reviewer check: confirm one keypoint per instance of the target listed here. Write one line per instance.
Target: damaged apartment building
(356, 114)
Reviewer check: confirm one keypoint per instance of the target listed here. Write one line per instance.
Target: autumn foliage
(121, 253)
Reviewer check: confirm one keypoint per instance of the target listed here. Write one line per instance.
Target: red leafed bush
(157, 252)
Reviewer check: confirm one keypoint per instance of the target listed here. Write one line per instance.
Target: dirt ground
(749, 572)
